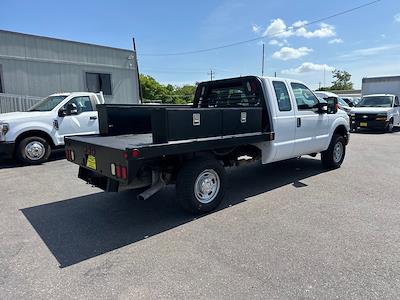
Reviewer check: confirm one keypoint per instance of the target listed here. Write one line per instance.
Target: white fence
(10, 102)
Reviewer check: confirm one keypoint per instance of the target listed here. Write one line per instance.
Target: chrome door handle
(93, 118)
(298, 122)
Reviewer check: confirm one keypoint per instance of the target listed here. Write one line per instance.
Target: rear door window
(282, 96)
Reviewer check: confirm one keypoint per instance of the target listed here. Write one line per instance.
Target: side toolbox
(172, 124)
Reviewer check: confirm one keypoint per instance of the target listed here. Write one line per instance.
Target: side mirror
(321, 108)
(333, 104)
(62, 112)
(71, 109)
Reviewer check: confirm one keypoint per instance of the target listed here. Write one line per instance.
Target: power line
(264, 37)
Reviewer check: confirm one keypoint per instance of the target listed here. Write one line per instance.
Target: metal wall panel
(38, 66)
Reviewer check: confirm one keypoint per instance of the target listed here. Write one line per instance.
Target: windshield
(376, 101)
(342, 102)
(48, 103)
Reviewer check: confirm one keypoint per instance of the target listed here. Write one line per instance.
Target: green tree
(342, 80)
(154, 91)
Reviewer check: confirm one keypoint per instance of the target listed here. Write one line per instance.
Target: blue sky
(365, 42)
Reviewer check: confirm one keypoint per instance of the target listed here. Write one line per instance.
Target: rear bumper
(7, 149)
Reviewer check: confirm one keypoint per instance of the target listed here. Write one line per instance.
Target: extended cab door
(312, 128)
(85, 121)
(284, 120)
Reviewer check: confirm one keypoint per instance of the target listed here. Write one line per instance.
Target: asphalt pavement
(285, 230)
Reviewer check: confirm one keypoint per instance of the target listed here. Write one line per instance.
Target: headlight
(381, 117)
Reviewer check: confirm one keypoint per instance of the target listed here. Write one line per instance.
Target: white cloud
(299, 23)
(287, 53)
(256, 28)
(278, 43)
(370, 51)
(324, 31)
(336, 41)
(308, 67)
(279, 29)
(397, 18)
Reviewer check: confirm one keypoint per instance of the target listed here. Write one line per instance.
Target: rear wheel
(333, 157)
(200, 185)
(33, 150)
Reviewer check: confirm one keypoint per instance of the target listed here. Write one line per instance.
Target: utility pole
(324, 76)
(137, 70)
(319, 85)
(212, 74)
(263, 60)
(275, 74)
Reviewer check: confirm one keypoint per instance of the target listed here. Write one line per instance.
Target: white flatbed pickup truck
(230, 122)
(30, 136)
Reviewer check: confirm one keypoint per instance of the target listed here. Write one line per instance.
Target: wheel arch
(342, 130)
(38, 133)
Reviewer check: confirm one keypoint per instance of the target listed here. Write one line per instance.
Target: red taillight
(118, 171)
(124, 172)
(135, 153)
(67, 154)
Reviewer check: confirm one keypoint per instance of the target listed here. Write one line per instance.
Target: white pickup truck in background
(30, 136)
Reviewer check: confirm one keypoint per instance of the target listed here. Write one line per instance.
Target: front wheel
(200, 185)
(389, 126)
(333, 157)
(33, 150)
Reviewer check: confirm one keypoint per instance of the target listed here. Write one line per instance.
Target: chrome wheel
(207, 186)
(35, 150)
(338, 152)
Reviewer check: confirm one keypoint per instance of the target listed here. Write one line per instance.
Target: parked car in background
(328, 97)
(349, 101)
(30, 136)
(380, 111)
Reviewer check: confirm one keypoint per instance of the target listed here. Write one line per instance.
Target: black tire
(31, 160)
(330, 159)
(389, 127)
(195, 170)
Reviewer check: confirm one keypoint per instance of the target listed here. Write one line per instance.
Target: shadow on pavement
(84, 227)
(13, 163)
(376, 131)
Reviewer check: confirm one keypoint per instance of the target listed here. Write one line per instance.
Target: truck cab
(31, 135)
(300, 127)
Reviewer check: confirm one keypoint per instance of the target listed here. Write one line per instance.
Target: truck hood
(24, 116)
(370, 110)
